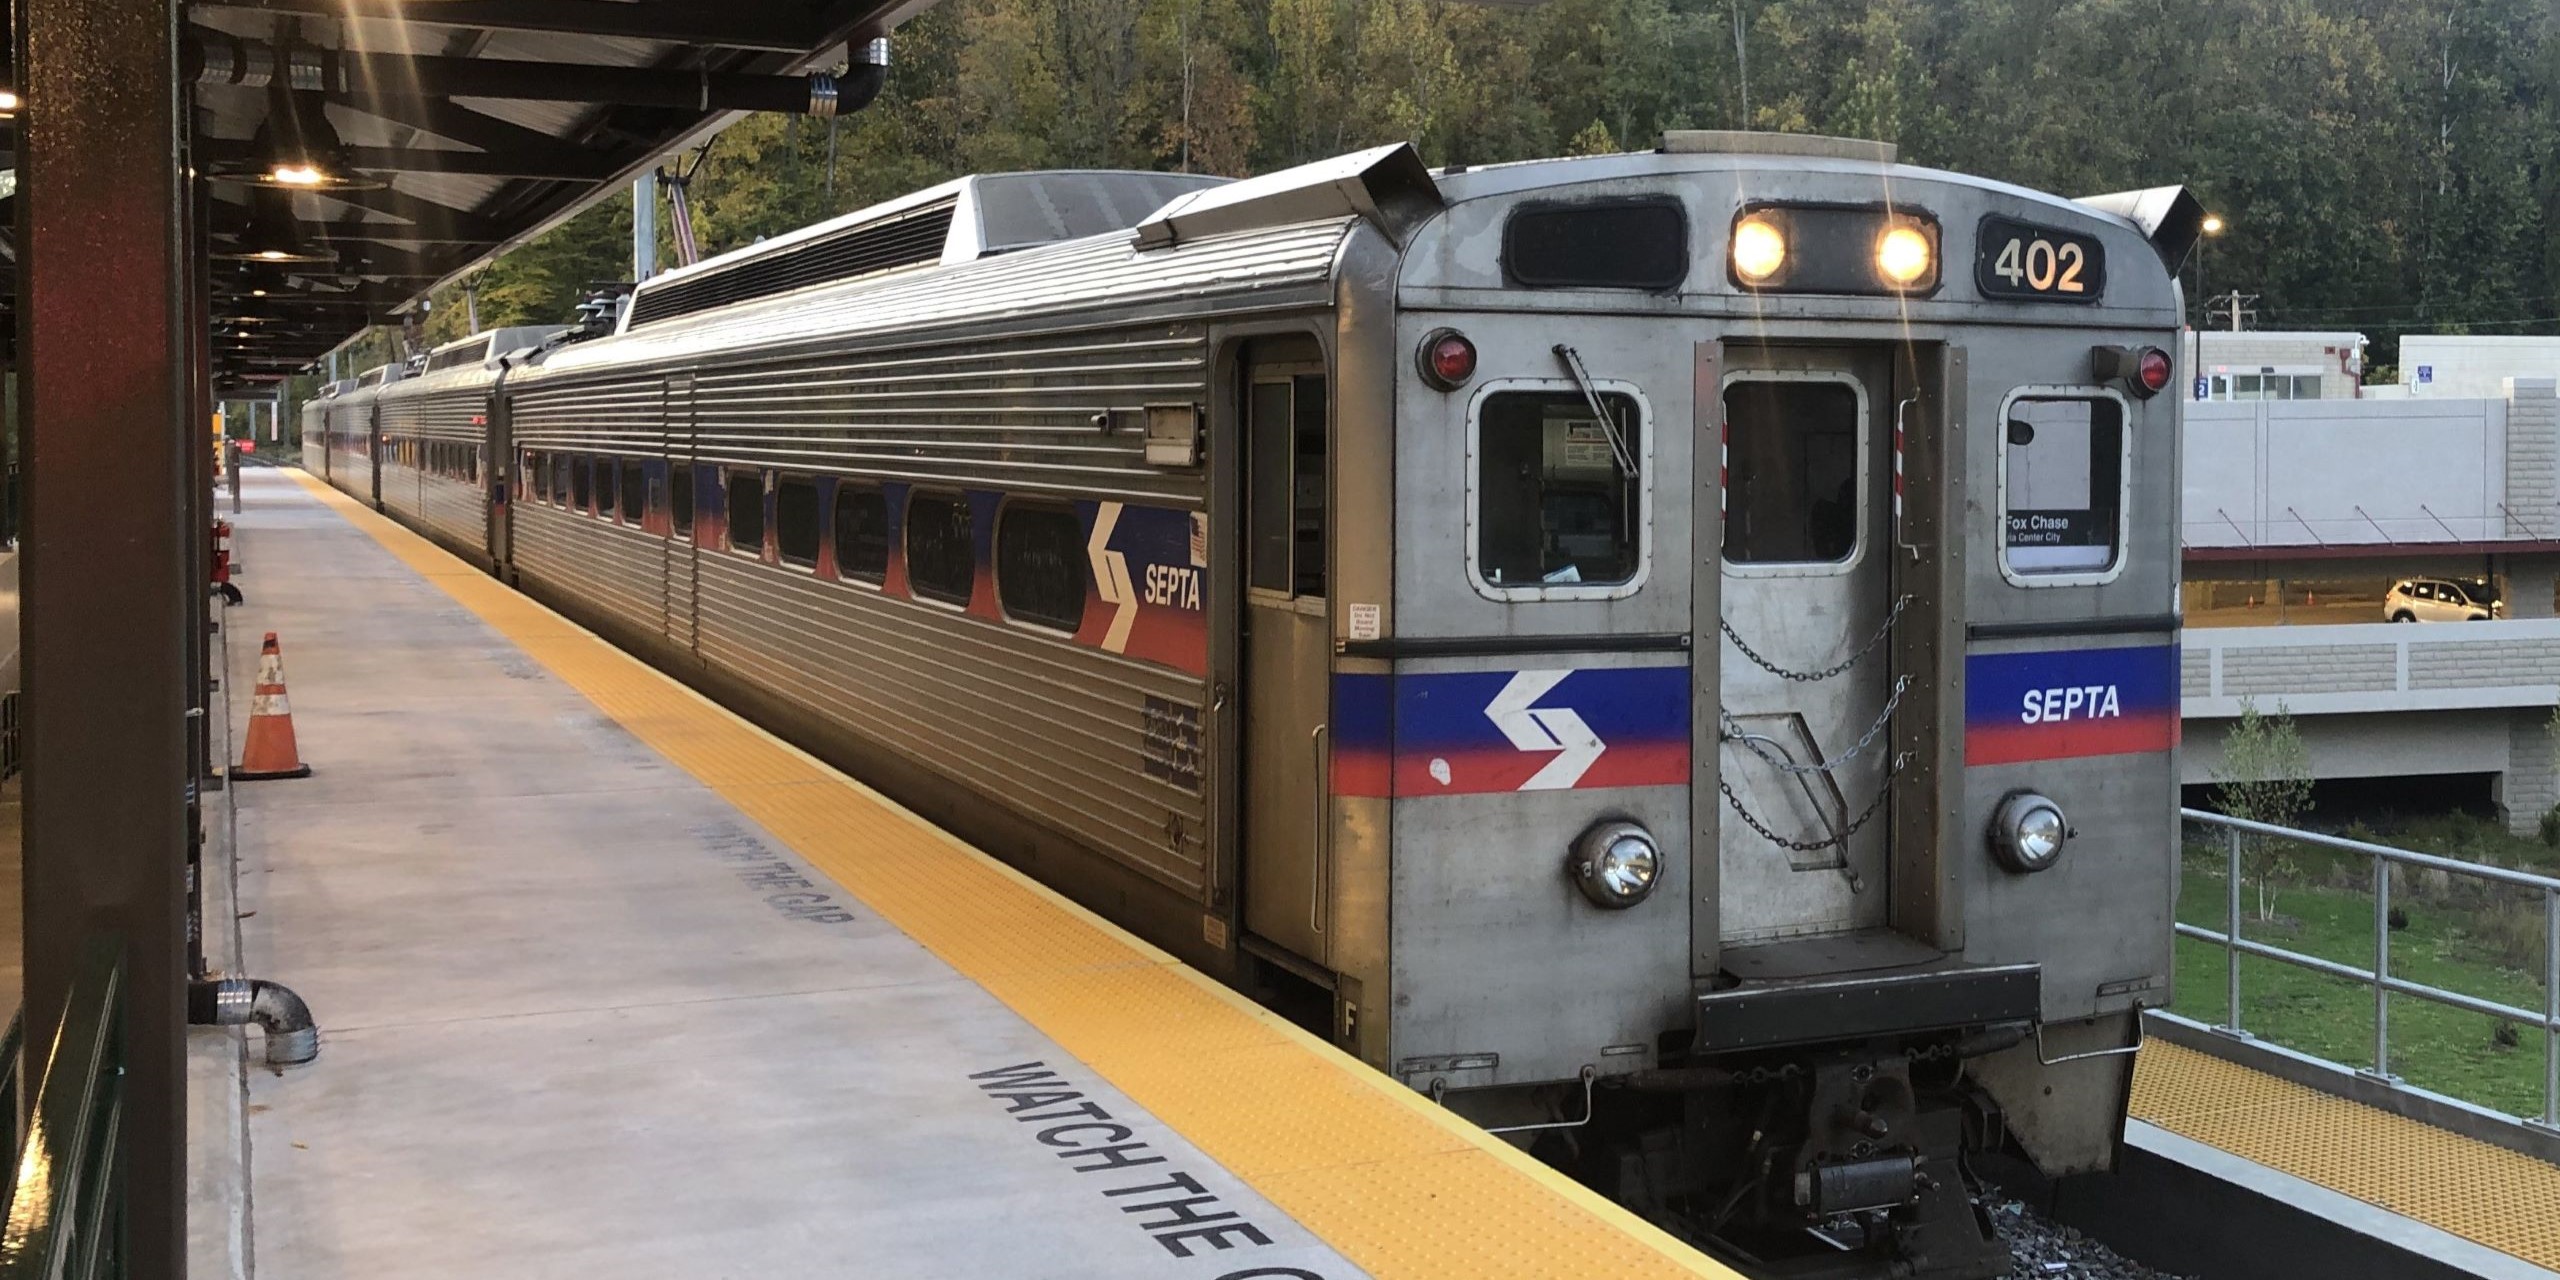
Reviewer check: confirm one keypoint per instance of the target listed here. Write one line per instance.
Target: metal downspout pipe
(292, 1037)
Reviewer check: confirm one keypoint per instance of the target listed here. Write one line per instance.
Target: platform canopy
(362, 152)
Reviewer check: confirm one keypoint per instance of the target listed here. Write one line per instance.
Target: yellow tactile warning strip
(1395, 1184)
(2489, 1195)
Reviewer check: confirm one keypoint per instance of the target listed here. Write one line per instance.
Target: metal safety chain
(1807, 677)
(1875, 806)
(1733, 733)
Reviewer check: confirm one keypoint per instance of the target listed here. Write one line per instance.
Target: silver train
(1671, 654)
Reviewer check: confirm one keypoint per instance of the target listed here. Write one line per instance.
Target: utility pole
(644, 226)
(2236, 304)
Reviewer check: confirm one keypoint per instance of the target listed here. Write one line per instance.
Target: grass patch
(2458, 938)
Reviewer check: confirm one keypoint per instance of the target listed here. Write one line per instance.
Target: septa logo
(2079, 702)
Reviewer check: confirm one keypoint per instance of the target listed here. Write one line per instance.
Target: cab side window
(1558, 492)
(2062, 478)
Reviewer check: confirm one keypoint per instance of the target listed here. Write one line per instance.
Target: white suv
(2440, 600)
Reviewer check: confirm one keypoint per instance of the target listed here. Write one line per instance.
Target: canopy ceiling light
(274, 234)
(296, 149)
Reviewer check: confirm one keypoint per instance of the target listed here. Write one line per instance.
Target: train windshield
(1556, 506)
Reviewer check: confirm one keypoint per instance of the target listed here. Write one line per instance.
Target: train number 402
(2042, 265)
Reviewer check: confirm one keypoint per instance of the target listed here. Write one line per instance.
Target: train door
(373, 451)
(682, 592)
(1806, 680)
(499, 467)
(1286, 652)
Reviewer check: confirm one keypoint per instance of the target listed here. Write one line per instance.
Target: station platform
(2473, 1206)
(613, 983)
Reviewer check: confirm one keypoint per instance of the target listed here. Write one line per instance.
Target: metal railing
(2379, 978)
(66, 1194)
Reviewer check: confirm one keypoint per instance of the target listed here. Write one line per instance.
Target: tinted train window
(537, 473)
(680, 498)
(1040, 565)
(604, 487)
(1559, 494)
(1641, 243)
(581, 483)
(2062, 485)
(471, 464)
(862, 532)
(635, 492)
(1286, 511)
(560, 484)
(942, 563)
(1792, 492)
(746, 512)
(795, 520)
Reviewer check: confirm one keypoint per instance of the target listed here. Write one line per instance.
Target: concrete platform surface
(586, 1013)
(583, 1019)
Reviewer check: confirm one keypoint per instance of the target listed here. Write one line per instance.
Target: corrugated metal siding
(315, 438)
(617, 569)
(454, 509)
(350, 466)
(846, 381)
(1054, 730)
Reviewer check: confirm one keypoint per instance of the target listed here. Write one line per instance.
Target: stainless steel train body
(1575, 630)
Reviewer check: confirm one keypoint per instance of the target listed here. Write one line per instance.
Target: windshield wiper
(1591, 396)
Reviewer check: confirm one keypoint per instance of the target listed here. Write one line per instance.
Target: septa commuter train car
(1671, 654)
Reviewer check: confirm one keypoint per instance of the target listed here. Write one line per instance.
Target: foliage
(2265, 776)
(2433, 1047)
(2384, 165)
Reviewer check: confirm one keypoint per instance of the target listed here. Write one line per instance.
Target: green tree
(2265, 776)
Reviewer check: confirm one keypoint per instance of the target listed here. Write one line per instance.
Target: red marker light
(1447, 359)
(2151, 371)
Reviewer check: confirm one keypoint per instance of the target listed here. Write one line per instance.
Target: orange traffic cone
(270, 752)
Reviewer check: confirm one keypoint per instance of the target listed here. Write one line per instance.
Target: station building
(2302, 514)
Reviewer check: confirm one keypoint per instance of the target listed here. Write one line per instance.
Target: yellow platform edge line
(1374, 1212)
(2497, 1198)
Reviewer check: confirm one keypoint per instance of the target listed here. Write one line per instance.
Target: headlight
(1902, 256)
(1616, 864)
(1759, 249)
(2028, 832)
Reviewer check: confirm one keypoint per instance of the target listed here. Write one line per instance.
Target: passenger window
(680, 498)
(1792, 492)
(635, 492)
(942, 563)
(1040, 565)
(537, 471)
(604, 487)
(862, 532)
(795, 520)
(2062, 485)
(1559, 497)
(1287, 512)
(560, 486)
(746, 512)
(581, 483)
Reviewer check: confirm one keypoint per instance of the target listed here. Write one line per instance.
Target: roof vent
(910, 238)
(473, 351)
(1387, 185)
(1739, 142)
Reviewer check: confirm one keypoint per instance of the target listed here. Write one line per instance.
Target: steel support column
(109, 587)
